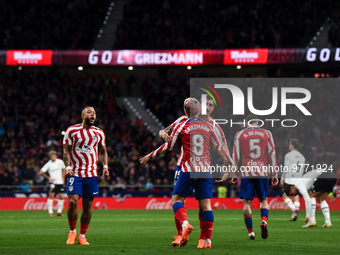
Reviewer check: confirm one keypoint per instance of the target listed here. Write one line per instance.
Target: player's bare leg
(50, 203)
(85, 219)
(248, 218)
(264, 218)
(60, 205)
(181, 216)
(208, 221)
(72, 215)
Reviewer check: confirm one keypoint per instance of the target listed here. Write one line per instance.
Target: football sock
(50, 206)
(83, 229)
(208, 223)
(178, 227)
(249, 223)
(312, 209)
(72, 225)
(60, 205)
(325, 211)
(297, 205)
(290, 204)
(180, 213)
(200, 217)
(264, 214)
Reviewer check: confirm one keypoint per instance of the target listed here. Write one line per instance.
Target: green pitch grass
(151, 232)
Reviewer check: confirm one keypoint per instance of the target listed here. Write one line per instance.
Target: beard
(88, 122)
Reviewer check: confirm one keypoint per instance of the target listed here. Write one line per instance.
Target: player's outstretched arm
(104, 159)
(67, 161)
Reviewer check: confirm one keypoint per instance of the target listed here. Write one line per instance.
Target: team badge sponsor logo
(94, 137)
(70, 188)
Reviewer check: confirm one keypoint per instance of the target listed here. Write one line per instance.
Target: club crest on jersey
(70, 188)
(94, 137)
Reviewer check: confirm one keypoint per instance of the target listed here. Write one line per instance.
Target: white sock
(297, 205)
(81, 235)
(60, 205)
(207, 240)
(184, 224)
(251, 234)
(325, 211)
(290, 204)
(312, 209)
(73, 231)
(50, 206)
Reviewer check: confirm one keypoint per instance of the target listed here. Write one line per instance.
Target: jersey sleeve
(169, 145)
(45, 167)
(272, 153)
(67, 139)
(286, 167)
(102, 140)
(224, 141)
(217, 144)
(236, 154)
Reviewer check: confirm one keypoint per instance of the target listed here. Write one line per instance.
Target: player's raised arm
(165, 147)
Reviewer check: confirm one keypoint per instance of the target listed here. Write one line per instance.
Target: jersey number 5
(255, 148)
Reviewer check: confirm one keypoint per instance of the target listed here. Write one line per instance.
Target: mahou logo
(153, 204)
(245, 56)
(277, 203)
(29, 57)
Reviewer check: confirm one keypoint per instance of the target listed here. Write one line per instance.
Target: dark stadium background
(39, 102)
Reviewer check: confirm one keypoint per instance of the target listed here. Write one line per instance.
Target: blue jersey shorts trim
(83, 186)
(252, 186)
(186, 184)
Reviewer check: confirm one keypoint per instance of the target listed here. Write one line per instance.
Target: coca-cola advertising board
(275, 203)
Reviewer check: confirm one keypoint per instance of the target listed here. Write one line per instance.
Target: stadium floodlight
(131, 106)
(154, 117)
(189, 67)
(311, 43)
(318, 33)
(99, 36)
(104, 22)
(148, 110)
(154, 134)
(156, 120)
(139, 116)
(112, 4)
(137, 113)
(134, 110)
(130, 68)
(101, 31)
(142, 103)
(139, 99)
(238, 67)
(80, 68)
(106, 17)
(125, 99)
(321, 28)
(19, 68)
(314, 38)
(110, 8)
(108, 13)
(159, 124)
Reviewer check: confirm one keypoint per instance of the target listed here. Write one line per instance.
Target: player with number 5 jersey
(252, 146)
(82, 143)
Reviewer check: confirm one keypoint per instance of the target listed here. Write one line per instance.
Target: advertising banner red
(29, 57)
(245, 56)
(275, 203)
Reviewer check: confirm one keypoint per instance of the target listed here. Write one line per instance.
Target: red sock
(72, 225)
(181, 215)
(264, 218)
(208, 229)
(83, 229)
(178, 227)
(202, 235)
(250, 230)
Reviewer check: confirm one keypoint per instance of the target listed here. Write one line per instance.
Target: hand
(51, 179)
(275, 181)
(233, 180)
(224, 177)
(144, 159)
(282, 182)
(307, 219)
(106, 172)
(166, 136)
(69, 173)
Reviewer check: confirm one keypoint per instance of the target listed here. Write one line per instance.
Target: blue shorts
(185, 186)
(82, 186)
(177, 173)
(250, 186)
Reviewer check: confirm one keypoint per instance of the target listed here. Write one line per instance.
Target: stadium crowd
(50, 24)
(30, 128)
(220, 24)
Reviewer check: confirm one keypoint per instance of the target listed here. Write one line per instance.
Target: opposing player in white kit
(294, 166)
(314, 183)
(56, 169)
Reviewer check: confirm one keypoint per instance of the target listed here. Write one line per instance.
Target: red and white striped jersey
(181, 119)
(220, 131)
(252, 145)
(84, 151)
(196, 136)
